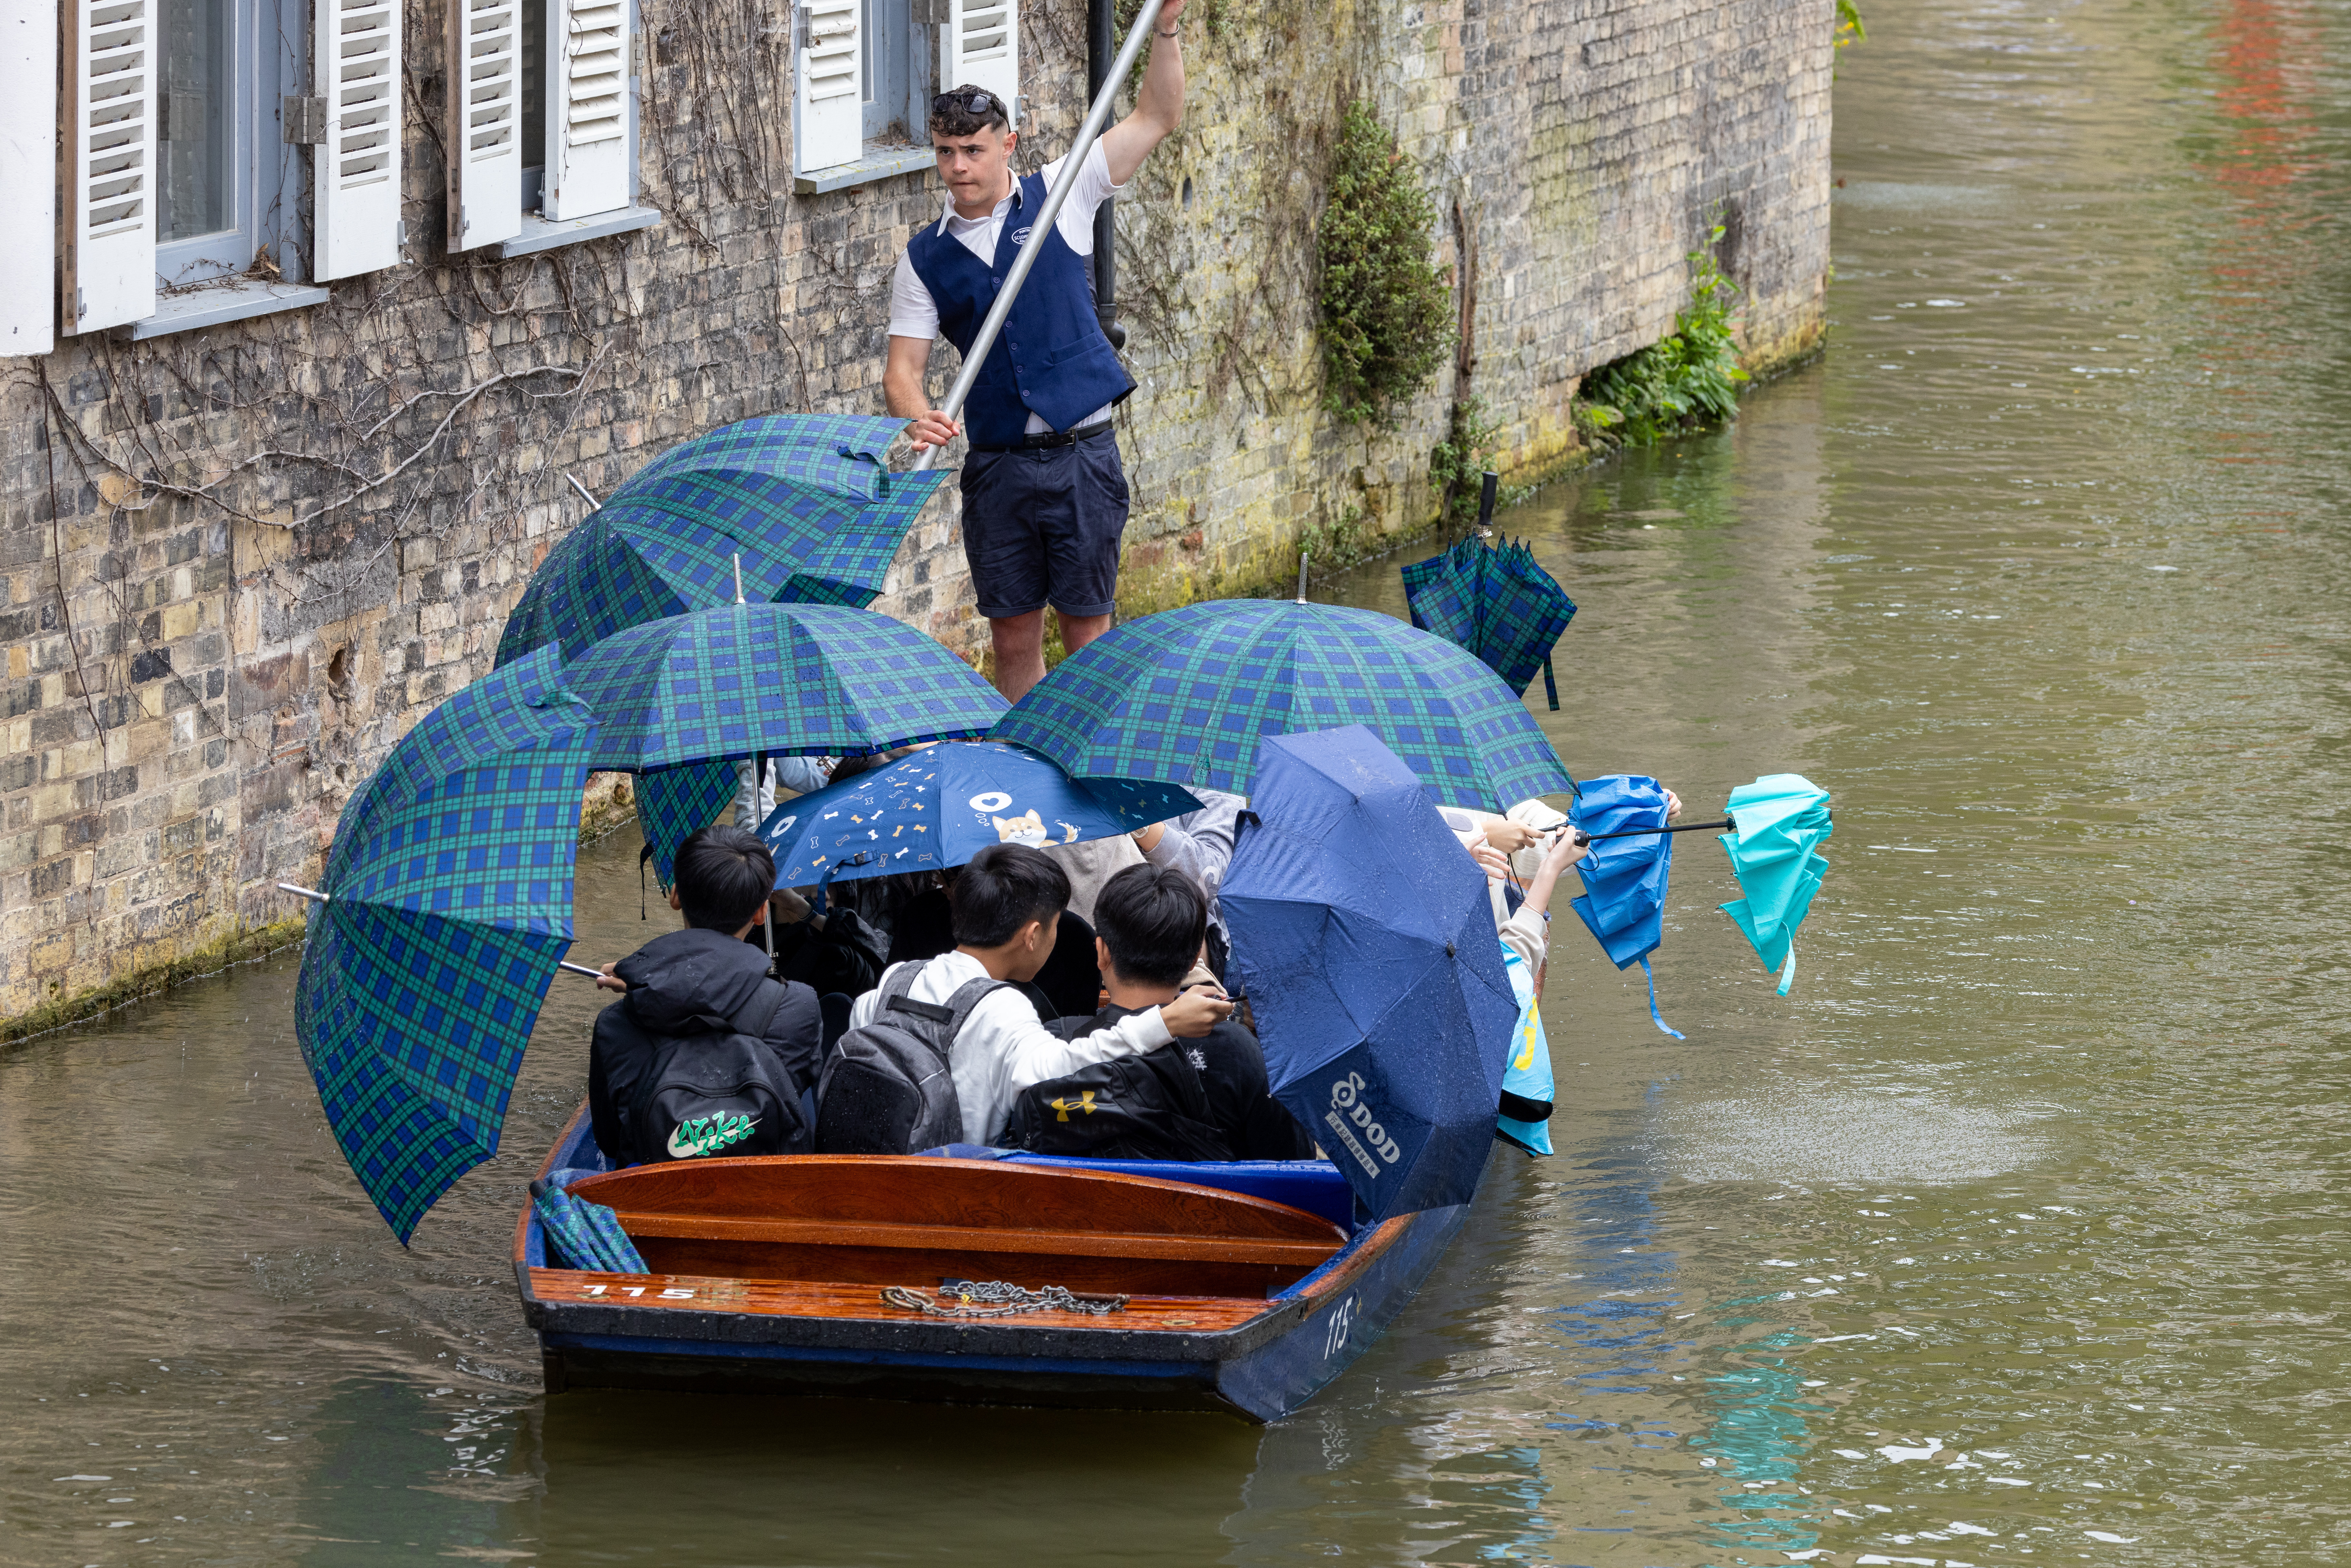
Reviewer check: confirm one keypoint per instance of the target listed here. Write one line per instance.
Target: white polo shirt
(914, 314)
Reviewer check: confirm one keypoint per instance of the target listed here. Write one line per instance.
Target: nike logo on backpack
(708, 1134)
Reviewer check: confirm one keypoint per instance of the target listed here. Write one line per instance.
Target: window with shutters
(546, 98)
(182, 185)
(864, 73)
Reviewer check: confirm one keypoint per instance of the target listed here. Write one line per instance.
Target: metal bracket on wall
(305, 120)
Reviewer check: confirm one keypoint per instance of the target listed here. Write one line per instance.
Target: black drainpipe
(1102, 53)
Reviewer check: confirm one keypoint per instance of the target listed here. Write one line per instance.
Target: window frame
(907, 38)
(266, 56)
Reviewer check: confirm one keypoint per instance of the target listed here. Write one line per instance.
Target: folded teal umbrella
(1781, 818)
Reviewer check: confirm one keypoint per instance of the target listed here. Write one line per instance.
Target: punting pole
(315, 896)
(1088, 134)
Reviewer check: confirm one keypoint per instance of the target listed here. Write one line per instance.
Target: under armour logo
(1084, 1101)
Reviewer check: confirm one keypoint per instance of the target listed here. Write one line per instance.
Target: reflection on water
(2010, 1236)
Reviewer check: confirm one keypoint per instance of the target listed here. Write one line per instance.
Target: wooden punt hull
(1294, 1300)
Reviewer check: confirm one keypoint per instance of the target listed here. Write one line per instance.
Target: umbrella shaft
(1582, 838)
(566, 964)
(1096, 118)
(315, 896)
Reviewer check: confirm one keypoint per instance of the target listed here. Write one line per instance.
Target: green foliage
(1386, 311)
(1458, 466)
(1849, 30)
(1688, 378)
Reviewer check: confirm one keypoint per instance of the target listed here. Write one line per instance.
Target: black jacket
(689, 982)
(1231, 1065)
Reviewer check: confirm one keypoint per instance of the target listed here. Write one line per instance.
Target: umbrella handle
(1583, 838)
(1072, 166)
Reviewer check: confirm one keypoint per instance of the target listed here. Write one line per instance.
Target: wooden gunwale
(1175, 1246)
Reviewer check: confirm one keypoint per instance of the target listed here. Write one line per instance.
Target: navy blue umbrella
(1362, 937)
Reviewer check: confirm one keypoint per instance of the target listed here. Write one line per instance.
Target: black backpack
(1147, 1107)
(886, 1088)
(716, 1093)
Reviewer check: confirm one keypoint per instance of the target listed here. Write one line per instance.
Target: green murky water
(2014, 1235)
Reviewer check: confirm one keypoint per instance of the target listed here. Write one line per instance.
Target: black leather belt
(1045, 439)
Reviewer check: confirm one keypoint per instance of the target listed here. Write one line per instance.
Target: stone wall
(235, 565)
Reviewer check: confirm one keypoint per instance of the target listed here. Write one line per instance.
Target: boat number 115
(1342, 1318)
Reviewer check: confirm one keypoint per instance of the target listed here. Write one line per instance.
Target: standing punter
(1044, 497)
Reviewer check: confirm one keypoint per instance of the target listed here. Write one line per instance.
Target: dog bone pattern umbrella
(1498, 603)
(1781, 819)
(947, 802)
(1185, 696)
(1366, 944)
(1623, 900)
(802, 502)
(743, 679)
(448, 905)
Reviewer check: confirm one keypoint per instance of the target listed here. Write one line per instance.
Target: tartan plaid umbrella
(743, 679)
(802, 499)
(449, 904)
(1500, 604)
(1185, 695)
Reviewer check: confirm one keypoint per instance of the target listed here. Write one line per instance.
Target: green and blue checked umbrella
(1184, 696)
(1782, 818)
(802, 501)
(815, 679)
(448, 905)
(1500, 604)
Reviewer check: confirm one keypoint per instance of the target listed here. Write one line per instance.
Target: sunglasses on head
(964, 103)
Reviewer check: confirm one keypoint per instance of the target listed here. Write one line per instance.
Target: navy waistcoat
(1051, 357)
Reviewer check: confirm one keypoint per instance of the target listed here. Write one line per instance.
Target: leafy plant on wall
(1688, 378)
(1383, 304)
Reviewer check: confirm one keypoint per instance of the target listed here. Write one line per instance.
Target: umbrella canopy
(1781, 819)
(449, 888)
(821, 679)
(1365, 942)
(1624, 901)
(803, 500)
(1500, 604)
(1185, 696)
(946, 803)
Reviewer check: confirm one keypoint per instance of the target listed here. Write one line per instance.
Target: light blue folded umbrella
(1782, 818)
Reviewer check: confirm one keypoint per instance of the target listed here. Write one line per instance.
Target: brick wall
(235, 565)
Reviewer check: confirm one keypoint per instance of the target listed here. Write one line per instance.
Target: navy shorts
(1042, 526)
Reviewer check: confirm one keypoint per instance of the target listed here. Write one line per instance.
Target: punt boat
(1247, 1286)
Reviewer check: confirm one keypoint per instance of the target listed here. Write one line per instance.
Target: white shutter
(356, 172)
(830, 105)
(29, 177)
(109, 137)
(587, 108)
(980, 46)
(484, 138)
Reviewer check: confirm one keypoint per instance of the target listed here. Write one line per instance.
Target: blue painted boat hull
(1263, 1369)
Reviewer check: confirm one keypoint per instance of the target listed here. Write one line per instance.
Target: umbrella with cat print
(947, 802)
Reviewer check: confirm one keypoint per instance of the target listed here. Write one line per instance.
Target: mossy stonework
(236, 564)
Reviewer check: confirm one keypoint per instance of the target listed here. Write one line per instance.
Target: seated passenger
(703, 1054)
(1007, 905)
(1194, 1099)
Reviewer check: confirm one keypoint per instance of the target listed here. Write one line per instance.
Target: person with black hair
(1008, 902)
(697, 1003)
(1044, 494)
(1200, 1098)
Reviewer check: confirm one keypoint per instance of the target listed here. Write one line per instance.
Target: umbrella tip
(738, 578)
(1302, 575)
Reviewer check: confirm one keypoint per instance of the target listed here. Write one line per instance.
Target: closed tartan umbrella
(1185, 696)
(447, 907)
(1498, 603)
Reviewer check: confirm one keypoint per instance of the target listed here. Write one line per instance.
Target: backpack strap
(741, 1022)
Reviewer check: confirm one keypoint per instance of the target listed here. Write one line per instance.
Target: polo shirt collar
(950, 215)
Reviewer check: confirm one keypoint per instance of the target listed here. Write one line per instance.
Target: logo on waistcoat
(1020, 237)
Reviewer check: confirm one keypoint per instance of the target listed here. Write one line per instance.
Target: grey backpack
(886, 1088)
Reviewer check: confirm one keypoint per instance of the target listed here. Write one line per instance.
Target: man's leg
(1020, 643)
(1077, 631)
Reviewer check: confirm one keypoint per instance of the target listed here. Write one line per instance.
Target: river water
(2014, 1234)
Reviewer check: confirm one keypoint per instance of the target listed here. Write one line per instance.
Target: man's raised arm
(1158, 106)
